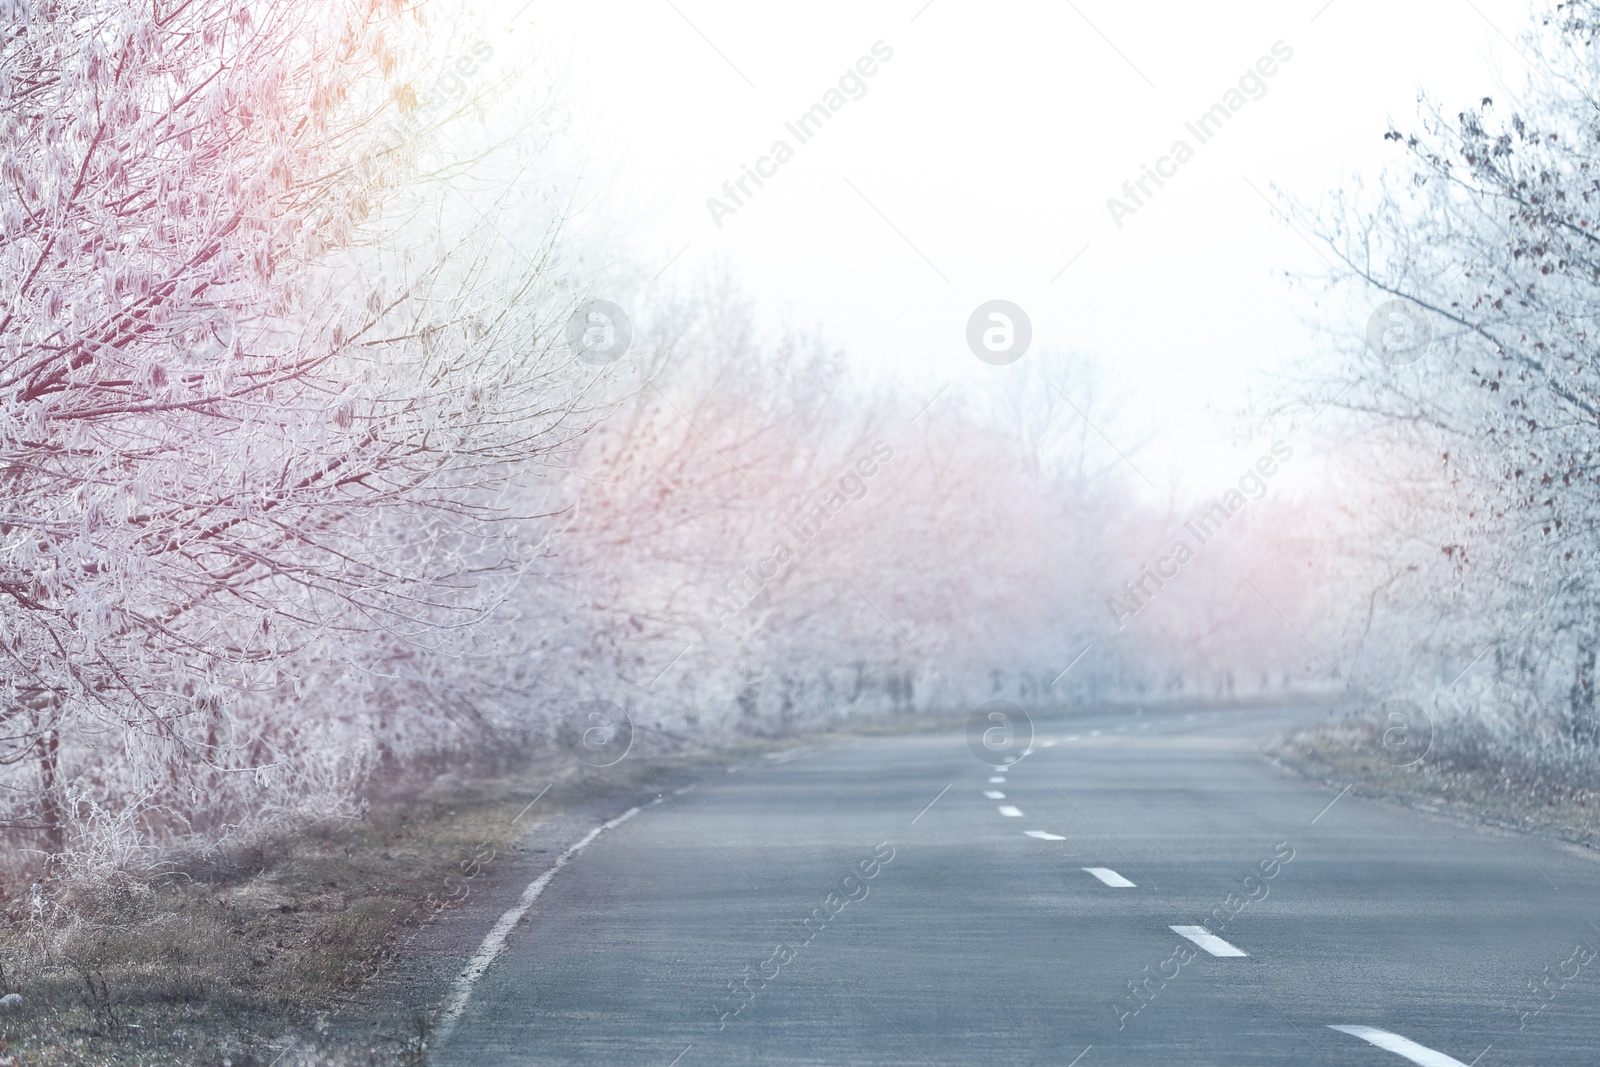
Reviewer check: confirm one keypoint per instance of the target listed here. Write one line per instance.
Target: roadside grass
(1504, 794)
(220, 960)
(213, 960)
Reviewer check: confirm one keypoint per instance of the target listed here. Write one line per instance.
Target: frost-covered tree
(1481, 262)
(250, 447)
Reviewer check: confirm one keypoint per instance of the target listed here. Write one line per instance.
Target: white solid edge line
(994, 794)
(1208, 940)
(1044, 836)
(1010, 812)
(495, 940)
(1110, 877)
(1401, 1046)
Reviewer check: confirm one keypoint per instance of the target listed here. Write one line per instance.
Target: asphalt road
(980, 942)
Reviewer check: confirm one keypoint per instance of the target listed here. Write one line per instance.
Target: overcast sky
(978, 161)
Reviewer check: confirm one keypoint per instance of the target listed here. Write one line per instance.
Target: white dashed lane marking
(1042, 836)
(1208, 940)
(1010, 812)
(1400, 1046)
(997, 779)
(1110, 877)
(994, 794)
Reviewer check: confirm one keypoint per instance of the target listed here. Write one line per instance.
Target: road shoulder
(1348, 754)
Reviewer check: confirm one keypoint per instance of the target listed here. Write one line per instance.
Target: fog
(397, 394)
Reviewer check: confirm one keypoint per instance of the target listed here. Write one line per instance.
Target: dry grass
(256, 957)
(1504, 795)
(217, 961)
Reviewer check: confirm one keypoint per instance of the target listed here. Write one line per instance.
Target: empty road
(1137, 889)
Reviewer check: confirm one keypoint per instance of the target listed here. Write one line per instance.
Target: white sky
(991, 141)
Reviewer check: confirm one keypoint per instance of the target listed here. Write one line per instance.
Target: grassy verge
(1504, 795)
(216, 961)
(213, 961)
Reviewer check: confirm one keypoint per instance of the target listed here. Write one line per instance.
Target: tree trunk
(52, 805)
(1580, 701)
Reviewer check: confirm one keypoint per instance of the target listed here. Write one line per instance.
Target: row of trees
(253, 452)
(1478, 439)
(304, 478)
(754, 538)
